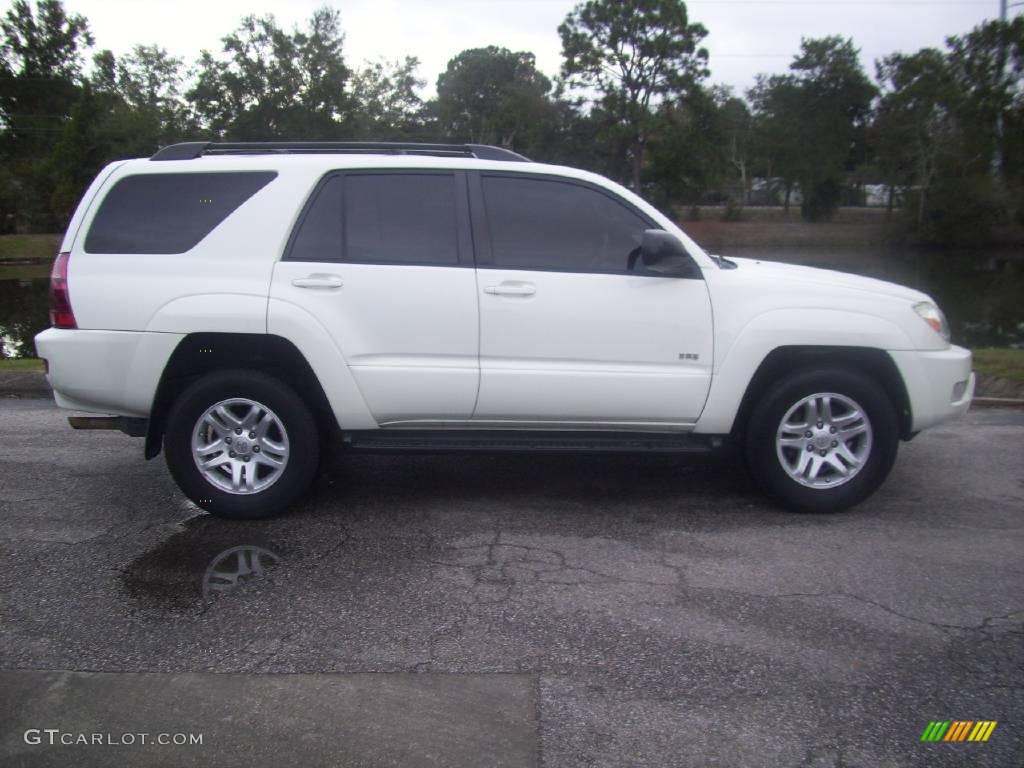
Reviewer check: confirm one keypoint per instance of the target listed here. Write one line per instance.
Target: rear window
(381, 218)
(168, 212)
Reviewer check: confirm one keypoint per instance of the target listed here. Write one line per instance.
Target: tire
(271, 460)
(775, 441)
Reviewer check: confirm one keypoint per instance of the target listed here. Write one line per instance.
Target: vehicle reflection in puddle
(235, 566)
(201, 562)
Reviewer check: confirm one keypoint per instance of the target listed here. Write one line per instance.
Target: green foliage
(945, 128)
(814, 120)
(40, 65)
(633, 53)
(732, 212)
(28, 247)
(687, 148)
(389, 106)
(275, 84)
(493, 96)
(950, 127)
(1004, 363)
(8, 364)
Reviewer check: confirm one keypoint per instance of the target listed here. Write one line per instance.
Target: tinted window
(556, 225)
(389, 218)
(400, 218)
(319, 235)
(168, 212)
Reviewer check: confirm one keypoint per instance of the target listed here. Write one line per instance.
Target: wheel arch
(876, 363)
(198, 354)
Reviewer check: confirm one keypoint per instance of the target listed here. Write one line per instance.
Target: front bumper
(940, 384)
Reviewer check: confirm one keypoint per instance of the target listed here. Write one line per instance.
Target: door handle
(511, 289)
(318, 281)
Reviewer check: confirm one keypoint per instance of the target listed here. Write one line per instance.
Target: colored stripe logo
(958, 730)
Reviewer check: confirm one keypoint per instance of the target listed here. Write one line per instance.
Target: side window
(556, 225)
(400, 219)
(160, 213)
(319, 235)
(380, 218)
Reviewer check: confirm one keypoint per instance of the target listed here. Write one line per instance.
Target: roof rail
(190, 150)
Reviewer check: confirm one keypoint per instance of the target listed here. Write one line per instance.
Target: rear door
(383, 260)
(569, 334)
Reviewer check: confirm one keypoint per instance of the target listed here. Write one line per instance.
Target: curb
(24, 383)
(997, 402)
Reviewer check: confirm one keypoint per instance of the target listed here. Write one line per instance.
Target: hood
(830, 278)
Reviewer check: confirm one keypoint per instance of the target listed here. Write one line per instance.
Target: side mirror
(662, 252)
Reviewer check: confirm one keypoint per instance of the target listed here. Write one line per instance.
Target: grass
(1004, 363)
(23, 271)
(20, 364)
(29, 246)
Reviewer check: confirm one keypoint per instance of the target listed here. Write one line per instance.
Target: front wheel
(241, 444)
(822, 440)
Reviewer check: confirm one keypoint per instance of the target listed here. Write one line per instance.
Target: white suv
(243, 303)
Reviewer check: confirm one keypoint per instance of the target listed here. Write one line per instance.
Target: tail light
(61, 314)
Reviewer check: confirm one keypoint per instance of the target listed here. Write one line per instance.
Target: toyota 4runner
(241, 304)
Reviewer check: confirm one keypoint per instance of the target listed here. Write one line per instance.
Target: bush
(732, 212)
(957, 212)
(821, 201)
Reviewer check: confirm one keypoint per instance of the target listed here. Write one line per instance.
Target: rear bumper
(105, 371)
(940, 384)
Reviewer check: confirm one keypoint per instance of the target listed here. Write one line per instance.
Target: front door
(569, 335)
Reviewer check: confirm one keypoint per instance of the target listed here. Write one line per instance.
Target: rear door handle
(318, 281)
(511, 289)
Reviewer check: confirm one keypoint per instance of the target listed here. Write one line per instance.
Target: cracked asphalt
(528, 610)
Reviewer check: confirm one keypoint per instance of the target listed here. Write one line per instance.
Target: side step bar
(473, 440)
(133, 427)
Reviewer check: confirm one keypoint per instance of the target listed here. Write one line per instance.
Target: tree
(385, 100)
(492, 96)
(633, 53)
(911, 127)
(818, 113)
(987, 65)
(737, 127)
(146, 85)
(690, 145)
(40, 68)
(40, 65)
(275, 84)
(950, 126)
(776, 140)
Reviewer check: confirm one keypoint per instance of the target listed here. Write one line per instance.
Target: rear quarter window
(162, 213)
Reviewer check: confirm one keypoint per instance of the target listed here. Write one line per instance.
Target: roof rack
(190, 150)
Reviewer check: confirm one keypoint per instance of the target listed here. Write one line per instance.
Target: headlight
(934, 317)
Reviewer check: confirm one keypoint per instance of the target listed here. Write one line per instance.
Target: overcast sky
(745, 36)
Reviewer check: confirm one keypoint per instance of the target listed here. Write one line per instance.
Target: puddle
(201, 563)
(233, 567)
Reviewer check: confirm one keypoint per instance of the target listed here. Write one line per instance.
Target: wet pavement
(552, 610)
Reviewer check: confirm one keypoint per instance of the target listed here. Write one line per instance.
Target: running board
(455, 441)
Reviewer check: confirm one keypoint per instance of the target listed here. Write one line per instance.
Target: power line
(973, 3)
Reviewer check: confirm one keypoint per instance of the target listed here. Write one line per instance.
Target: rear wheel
(241, 444)
(822, 440)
